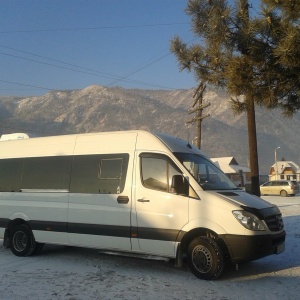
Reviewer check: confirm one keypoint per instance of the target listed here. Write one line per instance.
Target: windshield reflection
(205, 172)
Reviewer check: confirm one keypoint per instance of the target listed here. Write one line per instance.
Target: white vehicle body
(13, 136)
(103, 190)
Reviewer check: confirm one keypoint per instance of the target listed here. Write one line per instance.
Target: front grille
(275, 222)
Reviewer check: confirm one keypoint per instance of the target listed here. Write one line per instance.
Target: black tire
(205, 258)
(283, 193)
(38, 248)
(22, 241)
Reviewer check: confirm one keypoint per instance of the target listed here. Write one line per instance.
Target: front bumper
(247, 248)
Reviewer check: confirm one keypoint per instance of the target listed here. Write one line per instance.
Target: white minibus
(131, 191)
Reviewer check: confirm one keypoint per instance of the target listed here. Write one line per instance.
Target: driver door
(161, 212)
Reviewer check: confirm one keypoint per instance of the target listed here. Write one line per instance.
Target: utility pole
(198, 109)
(250, 107)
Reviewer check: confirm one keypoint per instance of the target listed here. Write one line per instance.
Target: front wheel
(205, 258)
(22, 241)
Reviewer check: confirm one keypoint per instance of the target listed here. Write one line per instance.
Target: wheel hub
(20, 241)
(202, 259)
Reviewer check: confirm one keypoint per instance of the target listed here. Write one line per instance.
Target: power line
(95, 28)
(92, 71)
(137, 70)
(89, 71)
(47, 64)
(84, 70)
(55, 60)
(28, 85)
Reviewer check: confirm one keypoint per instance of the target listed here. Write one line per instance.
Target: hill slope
(96, 108)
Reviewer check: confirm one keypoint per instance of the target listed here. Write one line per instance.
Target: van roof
(88, 143)
(14, 136)
(176, 144)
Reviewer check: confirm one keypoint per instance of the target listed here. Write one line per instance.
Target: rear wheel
(283, 193)
(22, 241)
(205, 258)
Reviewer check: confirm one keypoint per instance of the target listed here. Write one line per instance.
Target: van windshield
(205, 172)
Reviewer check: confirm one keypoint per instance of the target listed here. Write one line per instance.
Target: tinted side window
(157, 172)
(154, 173)
(46, 172)
(110, 175)
(99, 174)
(10, 175)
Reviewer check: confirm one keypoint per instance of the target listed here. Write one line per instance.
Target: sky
(50, 45)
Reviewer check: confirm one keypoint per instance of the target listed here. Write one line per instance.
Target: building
(287, 170)
(238, 174)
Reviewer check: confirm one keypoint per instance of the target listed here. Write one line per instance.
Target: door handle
(143, 200)
(123, 199)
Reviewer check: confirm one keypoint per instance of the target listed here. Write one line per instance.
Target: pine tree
(255, 56)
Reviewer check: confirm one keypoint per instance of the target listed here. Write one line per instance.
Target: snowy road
(76, 273)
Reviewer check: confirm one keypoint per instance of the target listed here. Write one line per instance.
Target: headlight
(248, 220)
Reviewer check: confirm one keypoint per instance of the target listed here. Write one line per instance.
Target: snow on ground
(77, 273)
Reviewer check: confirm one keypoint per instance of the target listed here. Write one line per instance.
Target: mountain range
(98, 108)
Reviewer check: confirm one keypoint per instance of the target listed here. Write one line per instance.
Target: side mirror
(180, 185)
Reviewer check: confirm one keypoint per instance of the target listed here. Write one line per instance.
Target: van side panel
(101, 218)
(40, 207)
(93, 219)
(35, 189)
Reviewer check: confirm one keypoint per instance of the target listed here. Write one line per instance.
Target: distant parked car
(283, 188)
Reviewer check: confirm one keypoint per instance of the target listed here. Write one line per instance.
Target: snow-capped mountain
(97, 108)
